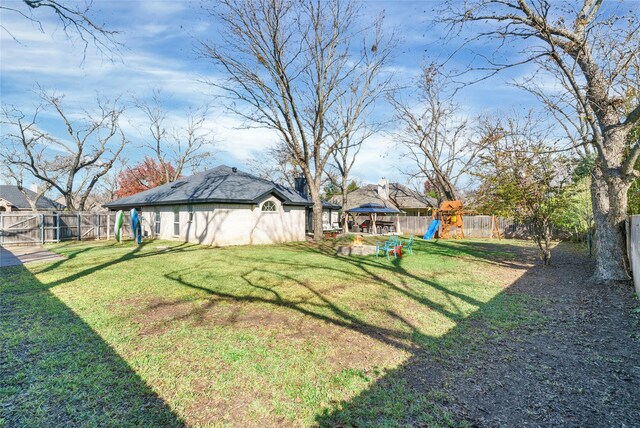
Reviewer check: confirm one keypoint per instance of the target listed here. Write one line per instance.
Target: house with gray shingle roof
(224, 206)
(13, 199)
(390, 195)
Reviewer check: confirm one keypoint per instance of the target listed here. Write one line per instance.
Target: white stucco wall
(229, 224)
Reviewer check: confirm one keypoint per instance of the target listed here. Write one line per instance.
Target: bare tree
(105, 190)
(275, 164)
(346, 152)
(73, 165)
(188, 147)
(291, 64)
(591, 52)
(435, 136)
(75, 18)
(343, 160)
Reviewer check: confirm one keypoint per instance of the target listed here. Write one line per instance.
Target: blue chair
(387, 247)
(408, 245)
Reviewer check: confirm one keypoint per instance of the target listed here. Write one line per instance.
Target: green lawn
(167, 334)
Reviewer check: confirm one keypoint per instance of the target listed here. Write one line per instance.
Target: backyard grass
(168, 334)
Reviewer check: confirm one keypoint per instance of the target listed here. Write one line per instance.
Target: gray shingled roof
(217, 185)
(15, 197)
(400, 197)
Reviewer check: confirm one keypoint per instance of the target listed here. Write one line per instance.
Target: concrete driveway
(18, 255)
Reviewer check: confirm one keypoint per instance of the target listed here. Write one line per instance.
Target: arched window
(269, 206)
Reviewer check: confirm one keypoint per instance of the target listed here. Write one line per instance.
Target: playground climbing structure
(447, 220)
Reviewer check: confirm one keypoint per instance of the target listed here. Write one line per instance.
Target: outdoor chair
(389, 247)
(408, 245)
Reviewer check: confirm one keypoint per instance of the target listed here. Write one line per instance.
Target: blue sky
(160, 51)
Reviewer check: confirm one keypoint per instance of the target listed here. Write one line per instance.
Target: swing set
(448, 220)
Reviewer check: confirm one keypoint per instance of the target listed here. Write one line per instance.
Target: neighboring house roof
(17, 199)
(222, 184)
(400, 197)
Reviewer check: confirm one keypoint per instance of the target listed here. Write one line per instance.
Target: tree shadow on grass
(400, 398)
(523, 379)
(135, 252)
(392, 276)
(56, 371)
(524, 358)
(412, 395)
(491, 251)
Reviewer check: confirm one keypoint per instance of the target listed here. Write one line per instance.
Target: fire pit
(357, 248)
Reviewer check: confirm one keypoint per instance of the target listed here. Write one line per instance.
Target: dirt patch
(351, 349)
(577, 368)
(235, 410)
(358, 351)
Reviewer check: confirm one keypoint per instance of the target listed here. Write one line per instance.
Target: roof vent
(234, 169)
(178, 184)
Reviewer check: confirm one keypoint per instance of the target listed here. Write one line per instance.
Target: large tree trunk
(68, 200)
(609, 212)
(345, 224)
(317, 220)
(314, 191)
(446, 190)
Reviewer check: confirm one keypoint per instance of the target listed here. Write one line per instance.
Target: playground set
(448, 216)
(448, 219)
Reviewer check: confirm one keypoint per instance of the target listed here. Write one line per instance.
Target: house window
(269, 206)
(190, 210)
(176, 221)
(156, 222)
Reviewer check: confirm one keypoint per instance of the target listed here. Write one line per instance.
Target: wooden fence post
(79, 220)
(57, 227)
(97, 226)
(108, 226)
(42, 228)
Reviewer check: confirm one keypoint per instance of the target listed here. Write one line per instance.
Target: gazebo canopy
(374, 208)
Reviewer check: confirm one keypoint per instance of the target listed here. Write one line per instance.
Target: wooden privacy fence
(475, 226)
(633, 249)
(40, 227)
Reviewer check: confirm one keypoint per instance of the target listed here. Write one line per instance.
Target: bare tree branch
(77, 22)
(72, 168)
(592, 53)
(434, 136)
(293, 66)
(189, 147)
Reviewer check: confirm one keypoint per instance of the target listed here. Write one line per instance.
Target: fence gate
(20, 229)
(30, 228)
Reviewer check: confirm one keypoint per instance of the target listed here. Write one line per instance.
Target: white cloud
(158, 38)
(240, 142)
